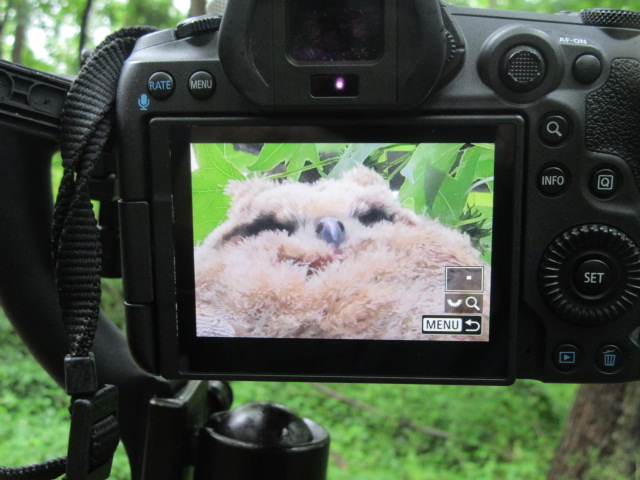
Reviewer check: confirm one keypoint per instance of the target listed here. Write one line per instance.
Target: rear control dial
(590, 275)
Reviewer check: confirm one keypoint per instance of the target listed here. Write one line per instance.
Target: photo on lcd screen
(378, 241)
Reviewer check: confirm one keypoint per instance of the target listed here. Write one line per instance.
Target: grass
(377, 431)
(496, 432)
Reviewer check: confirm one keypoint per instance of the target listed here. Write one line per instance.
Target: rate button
(161, 85)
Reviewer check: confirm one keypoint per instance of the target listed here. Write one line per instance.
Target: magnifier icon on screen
(472, 302)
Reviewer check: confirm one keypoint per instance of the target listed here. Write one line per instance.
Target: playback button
(566, 357)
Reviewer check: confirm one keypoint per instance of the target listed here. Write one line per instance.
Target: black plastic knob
(606, 17)
(590, 275)
(264, 424)
(261, 441)
(198, 25)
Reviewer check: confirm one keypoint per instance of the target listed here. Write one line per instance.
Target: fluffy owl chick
(339, 258)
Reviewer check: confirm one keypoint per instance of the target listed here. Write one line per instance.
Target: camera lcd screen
(336, 30)
(375, 241)
(349, 249)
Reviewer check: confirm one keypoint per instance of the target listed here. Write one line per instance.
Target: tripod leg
(29, 297)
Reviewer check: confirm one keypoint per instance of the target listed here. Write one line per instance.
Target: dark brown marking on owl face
(263, 223)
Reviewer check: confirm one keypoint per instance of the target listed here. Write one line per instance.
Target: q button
(554, 129)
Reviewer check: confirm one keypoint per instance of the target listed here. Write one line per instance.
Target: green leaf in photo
(290, 159)
(452, 195)
(209, 179)
(354, 155)
(424, 175)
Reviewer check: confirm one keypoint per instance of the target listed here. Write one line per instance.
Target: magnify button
(554, 129)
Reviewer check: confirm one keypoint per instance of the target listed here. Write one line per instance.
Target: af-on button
(587, 68)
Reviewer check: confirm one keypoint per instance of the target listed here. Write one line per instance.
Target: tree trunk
(20, 32)
(602, 437)
(86, 13)
(5, 17)
(198, 7)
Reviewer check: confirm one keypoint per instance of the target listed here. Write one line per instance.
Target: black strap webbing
(41, 471)
(86, 123)
(87, 119)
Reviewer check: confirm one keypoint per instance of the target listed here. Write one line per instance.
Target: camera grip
(613, 115)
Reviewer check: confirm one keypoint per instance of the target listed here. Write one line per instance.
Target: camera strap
(87, 120)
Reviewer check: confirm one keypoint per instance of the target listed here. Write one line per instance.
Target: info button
(553, 181)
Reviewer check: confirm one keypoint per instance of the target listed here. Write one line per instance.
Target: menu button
(202, 85)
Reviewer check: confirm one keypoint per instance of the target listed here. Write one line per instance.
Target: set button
(593, 278)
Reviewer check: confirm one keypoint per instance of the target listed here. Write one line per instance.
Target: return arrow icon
(472, 323)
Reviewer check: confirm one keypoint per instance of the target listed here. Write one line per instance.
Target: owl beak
(331, 230)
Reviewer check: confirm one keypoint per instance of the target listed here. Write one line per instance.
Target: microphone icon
(143, 102)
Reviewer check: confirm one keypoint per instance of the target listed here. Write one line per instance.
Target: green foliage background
(450, 182)
(495, 433)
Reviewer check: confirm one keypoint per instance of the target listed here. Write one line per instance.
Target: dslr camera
(383, 190)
